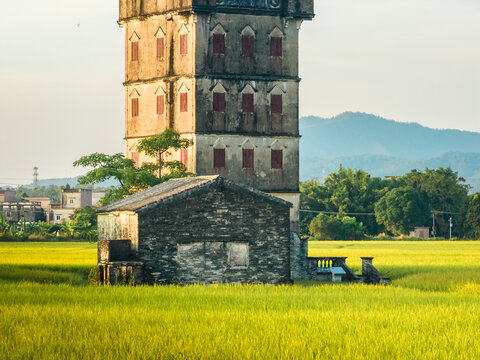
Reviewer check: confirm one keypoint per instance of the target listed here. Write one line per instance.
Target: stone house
(204, 229)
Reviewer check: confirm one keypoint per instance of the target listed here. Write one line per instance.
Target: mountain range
(384, 147)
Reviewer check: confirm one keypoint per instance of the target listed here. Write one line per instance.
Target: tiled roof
(183, 187)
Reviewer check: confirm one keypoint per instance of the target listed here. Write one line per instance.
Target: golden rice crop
(59, 321)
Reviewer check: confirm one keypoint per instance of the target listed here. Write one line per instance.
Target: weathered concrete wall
(118, 226)
(140, 8)
(262, 176)
(232, 120)
(204, 238)
(59, 215)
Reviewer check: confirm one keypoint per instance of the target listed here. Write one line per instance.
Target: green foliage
(442, 190)
(336, 228)
(472, 220)
(400, 210)
(51, 192)
(354, 191)
(161, 144)
(131, 178)
(94, 276)
(326, 227)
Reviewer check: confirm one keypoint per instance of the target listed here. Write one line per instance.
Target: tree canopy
(398, 204)
(131, 178)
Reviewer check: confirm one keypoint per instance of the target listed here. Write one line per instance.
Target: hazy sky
(61, 71)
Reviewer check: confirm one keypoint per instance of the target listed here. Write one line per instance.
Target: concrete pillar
(366, 265)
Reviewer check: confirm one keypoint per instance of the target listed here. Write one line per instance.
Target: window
(160, 48)
(247, 45)
(183, 102)
(71, 201)
(277, 159)
(219, 102)
(247, 103)
(218, 158)
(275, 46)
(58, 217)
(247, 158)
(276, 104)
(237, 254)
(183, 44)
(184, 157)
(134, 50)
(134, 107)
(160, 104)
(218, 44)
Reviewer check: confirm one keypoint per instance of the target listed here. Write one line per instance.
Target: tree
(326, 227)
(330, 227)
(312, 197)
(400, 209)
(131, 178)
(352, 229)
(442, 190)
(472, 218)
(346, 191)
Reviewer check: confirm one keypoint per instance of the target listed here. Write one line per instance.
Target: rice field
(430, 312)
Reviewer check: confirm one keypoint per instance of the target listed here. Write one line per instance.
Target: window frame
(276, 159)
(276, 46)
(218, 48)
(219, 161)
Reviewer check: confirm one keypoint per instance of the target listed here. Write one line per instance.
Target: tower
(223, 73)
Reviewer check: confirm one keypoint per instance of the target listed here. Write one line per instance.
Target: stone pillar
(366, 265)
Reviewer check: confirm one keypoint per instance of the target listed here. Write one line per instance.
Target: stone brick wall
(219, 235)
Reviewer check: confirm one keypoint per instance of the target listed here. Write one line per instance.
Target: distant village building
(16, 211)
(96, 196)
(71, 199)
(202, 229)
(8, 195)
(44, 203)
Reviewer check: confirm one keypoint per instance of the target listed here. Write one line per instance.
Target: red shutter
(219, 102)
(184, 157)
(276, 104)
(135, 159)
(134, 52)
(160, 105)
(275, 46)
(247, 103)
(247, 45)
(277, 159)
(183, 102)
(247, 162)
(160, 48)
(218, 44)
(134, 107)
(218, 158)
(183, 44)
